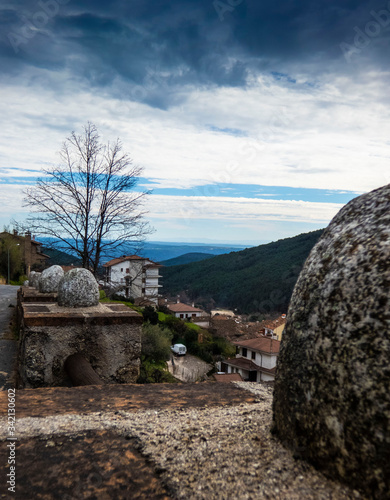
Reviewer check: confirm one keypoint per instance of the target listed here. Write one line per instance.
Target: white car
(179, 349)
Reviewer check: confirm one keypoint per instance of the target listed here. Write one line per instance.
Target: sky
(253, 121)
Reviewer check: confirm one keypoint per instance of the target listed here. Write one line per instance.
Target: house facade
(184, 311)
(255, 359)
(29, 251)
(135, 277)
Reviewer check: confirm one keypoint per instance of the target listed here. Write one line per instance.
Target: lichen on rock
(50, 278)
(332, 386)
(33, 279)
(78, 288)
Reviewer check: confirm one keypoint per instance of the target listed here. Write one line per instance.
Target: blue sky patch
(256, 192)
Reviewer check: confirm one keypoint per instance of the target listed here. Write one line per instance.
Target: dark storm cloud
(157, 46)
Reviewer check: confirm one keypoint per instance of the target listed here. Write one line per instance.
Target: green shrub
(150, 314)
(156, 342)
(152, 372)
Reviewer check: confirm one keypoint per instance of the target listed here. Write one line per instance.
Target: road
(188, 368)
(8, 347)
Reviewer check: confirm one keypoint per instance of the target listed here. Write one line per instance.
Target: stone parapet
(107, 335)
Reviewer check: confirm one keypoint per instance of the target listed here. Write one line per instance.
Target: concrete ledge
(49, 401)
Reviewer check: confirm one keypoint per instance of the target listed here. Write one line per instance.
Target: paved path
(188, 368)
(8, 347)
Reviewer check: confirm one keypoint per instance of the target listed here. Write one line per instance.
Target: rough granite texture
(33, 279)
(332, 387)
(50, 278)
(78, 288)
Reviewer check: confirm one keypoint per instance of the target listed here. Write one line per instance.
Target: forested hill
(259, 279)
(186, 259)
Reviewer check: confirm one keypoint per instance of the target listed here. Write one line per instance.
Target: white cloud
(239, 209)
(333, 135)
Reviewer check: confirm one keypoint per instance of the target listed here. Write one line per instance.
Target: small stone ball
(34, 279)
(50, 278)
(78, 288)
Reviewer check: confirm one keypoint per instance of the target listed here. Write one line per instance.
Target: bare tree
(88, 204)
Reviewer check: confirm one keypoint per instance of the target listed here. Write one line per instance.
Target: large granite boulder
(78, 288)
(50, 278)
(332, 386)
(33, 279)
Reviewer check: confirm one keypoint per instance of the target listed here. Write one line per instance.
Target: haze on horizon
(253, 121)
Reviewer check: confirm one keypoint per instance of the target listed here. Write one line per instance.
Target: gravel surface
(206, 453)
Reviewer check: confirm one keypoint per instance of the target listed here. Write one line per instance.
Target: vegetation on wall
(155, 351)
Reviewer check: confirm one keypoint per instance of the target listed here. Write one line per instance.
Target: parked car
(179, 349)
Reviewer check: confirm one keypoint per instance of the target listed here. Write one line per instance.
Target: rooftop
(263, 344)
(248, 365)
(126, 258)
(180, 307)
(227, 377)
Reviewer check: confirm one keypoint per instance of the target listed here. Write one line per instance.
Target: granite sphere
(33, 279)
(78, 288)
(332, 385)
(50, 278)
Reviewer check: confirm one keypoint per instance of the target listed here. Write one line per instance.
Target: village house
(135, 277)
(274, 328)
(184, 311)
(255, 359)
(31, 256)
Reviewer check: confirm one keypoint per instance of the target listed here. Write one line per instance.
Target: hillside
(258, 279)
(60, 258)
(187, 258)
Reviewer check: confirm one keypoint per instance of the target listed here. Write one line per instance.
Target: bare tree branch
(89, 205)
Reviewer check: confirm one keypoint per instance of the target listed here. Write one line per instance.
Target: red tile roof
(244, 363)
(248, 365)
(227, 377)
(180, 307)
(263, 344)
(125, 258)
(272, 324)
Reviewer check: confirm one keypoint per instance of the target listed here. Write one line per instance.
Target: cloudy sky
(253, 120)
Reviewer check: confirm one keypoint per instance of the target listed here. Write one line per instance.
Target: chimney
(178, 299)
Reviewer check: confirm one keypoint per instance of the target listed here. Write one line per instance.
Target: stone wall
(106, 335)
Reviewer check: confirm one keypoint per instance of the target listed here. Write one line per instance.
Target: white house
(255, 359)
(184, 311)
(137, 276)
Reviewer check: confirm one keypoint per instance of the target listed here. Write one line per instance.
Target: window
(121, 269)
(244, 352)
(127, 271)
(253, 355)
(182, 315)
